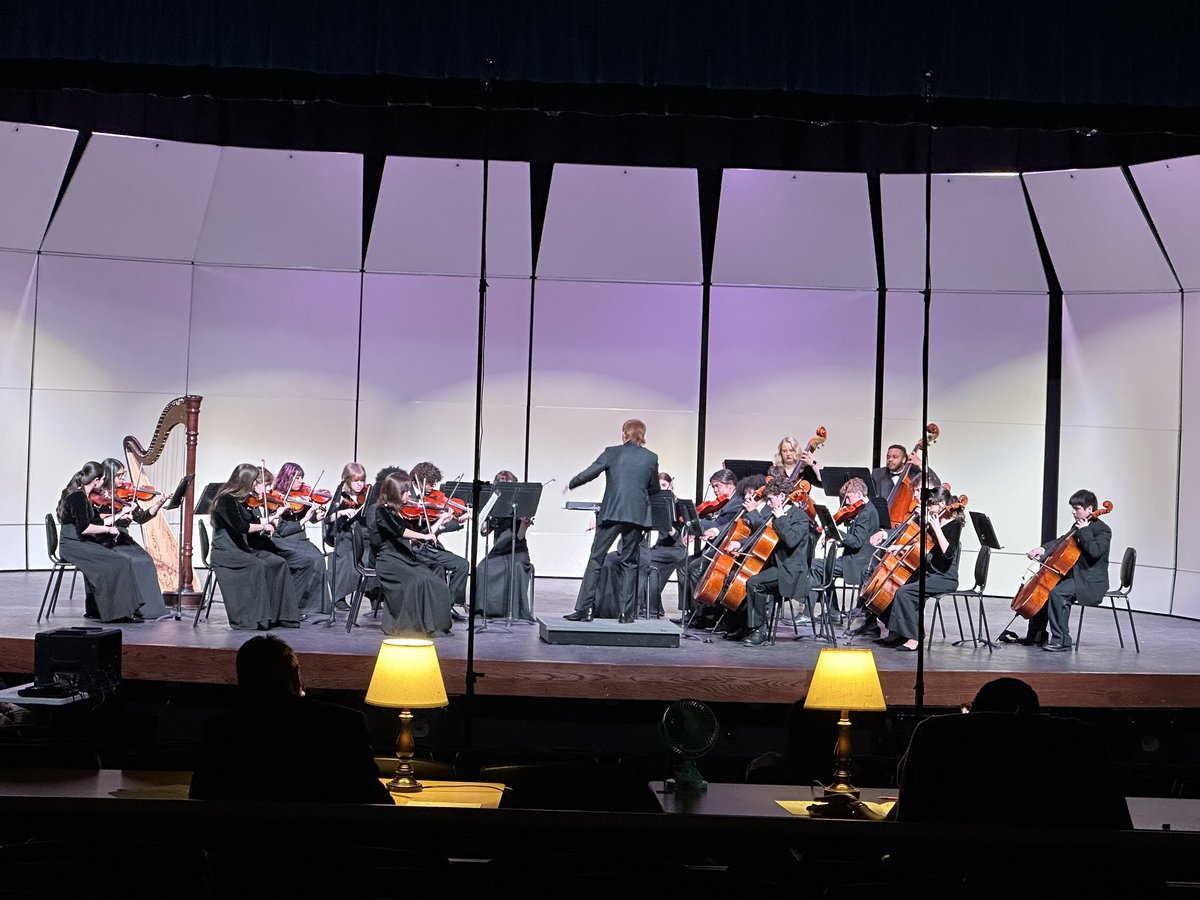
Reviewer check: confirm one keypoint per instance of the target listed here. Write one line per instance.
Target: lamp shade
(407, 676)
(845, 679)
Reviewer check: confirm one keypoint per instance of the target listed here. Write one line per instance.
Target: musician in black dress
(254, 578)
(786, 571)
(943, 548)
(121, 576)
(506, 566)
(856, 550)
(631, 477)
(416, 601)
(304, 558)
(1085, 582)
(345, 508)
(427, 477)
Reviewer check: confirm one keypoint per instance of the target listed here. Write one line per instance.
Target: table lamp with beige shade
(406, 677)
(844, 680)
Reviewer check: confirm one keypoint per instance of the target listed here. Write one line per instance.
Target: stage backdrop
(321, 331)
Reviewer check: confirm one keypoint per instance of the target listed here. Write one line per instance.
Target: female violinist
(859, 519)
(416, 601)
(943, 547)
(304, 558)
(254, 578)
(786, 571)
(426, 478)
(344, 511)
(1085, 582)
(509, 555)
(121, 578)
(116, 482)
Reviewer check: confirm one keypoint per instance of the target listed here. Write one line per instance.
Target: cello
(904, 499)
(755, 557)
(897, 567)
(1053, 567)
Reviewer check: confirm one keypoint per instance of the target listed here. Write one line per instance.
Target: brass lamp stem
(405, 781)
(841, 785)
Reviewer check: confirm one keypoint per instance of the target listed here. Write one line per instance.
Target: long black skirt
(123, 579)
(494, 584)
(256, 586)
(416, 602)
(307, 565)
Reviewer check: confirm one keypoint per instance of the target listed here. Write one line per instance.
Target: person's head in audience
(267, 668)
(1006, 695)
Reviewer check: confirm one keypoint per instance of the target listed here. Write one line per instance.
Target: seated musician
(745, 503)
(797, 462)
(503, 575)
(786, 572)
(116, 474)
(940, 564)
(304, 558)
(1085, 582)
(862, 521)
(427, 477)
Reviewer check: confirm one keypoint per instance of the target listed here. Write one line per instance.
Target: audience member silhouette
(807, 755)
(967, 769)
(280, 745)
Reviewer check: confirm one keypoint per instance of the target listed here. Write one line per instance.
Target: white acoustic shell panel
(614, 223)
(33, 160)
(1171, 191)
(18, 280)
(793, 371)
(284, 208)
(1189, 477)
(430, 212)
(135, 197)
(981, 238)
(112, 325)
(795, 229)
(1097, 235)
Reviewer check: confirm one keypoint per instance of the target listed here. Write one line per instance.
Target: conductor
(631, 476)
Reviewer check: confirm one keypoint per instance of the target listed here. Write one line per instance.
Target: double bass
(1032, 594)
(897, 567)
(904, 498)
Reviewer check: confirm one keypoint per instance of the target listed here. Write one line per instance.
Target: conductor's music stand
(514, 500)
(171, 505)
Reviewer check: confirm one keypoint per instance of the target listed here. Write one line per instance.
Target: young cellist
(786, 571)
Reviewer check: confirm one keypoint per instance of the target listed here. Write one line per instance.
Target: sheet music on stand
(691, 519)
(512, 501)
(828, 525)
(180, 492)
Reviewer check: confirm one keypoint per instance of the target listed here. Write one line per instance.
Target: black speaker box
(81, 659)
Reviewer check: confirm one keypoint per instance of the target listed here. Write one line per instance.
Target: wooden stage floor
(515, 662)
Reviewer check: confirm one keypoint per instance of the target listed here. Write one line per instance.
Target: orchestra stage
(515, 660)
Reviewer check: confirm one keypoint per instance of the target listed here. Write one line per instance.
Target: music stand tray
(741, 468)
(984, 530)
(833, 477)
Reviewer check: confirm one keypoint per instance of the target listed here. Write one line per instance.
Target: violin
(709, 507)
(274, 501)
(127, 492)
(309, 496)
(1054, 566)
(904, 497)
(106, 503)
(354, 501)
(847, 513)
(438, 502)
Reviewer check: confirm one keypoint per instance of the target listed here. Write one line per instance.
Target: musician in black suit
(1085, 582)
(742, 501)
(857, 551)
(279, 745)
(888, 476)
(786, 572)
(631, 476)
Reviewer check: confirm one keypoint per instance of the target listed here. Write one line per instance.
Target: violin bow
(265, 513)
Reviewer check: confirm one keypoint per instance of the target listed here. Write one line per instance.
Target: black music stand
(833, 477)
(691, 525)
(465, 490)
(984, 530)
(742, 468)
(828, 525)
(204, 504)
(174, 503)
(884, 511)
(516, 500)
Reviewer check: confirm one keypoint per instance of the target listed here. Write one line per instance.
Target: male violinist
(630, 478)
(426, 477)
(786, 572)
(1085, 582)
(857, 550)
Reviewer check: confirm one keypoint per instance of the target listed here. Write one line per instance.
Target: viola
(438, 502)
(904, 499)
(847, 513)
(106, 503)
(310, 496)
(274, 501)
(1054, 566)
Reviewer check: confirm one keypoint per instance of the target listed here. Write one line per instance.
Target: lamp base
(404, 784)
(842, 806)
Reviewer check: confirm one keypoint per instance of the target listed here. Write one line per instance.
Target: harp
(169, 456)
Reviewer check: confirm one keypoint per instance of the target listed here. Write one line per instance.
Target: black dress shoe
(137, 617)
(1055, 647)
(580, 615)
(756, 638)
(626, 620)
